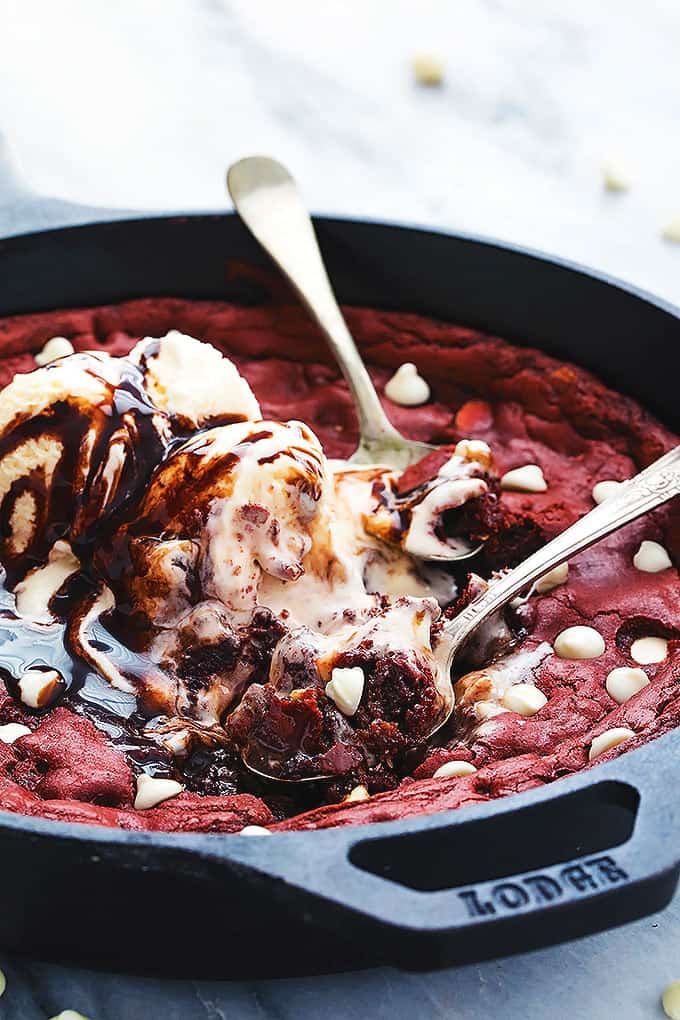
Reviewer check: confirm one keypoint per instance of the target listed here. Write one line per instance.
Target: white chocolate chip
(345, 688)
(671, 232)
(579, 643)
(12, 731)
(525, 699)
(254, 830)
(553, 579)
(474, 450)
(37, 687)
(670, 1000)
(604, 490)
(625, 681)
(57, 347)
(454, 768)
(359, 793)
(3, 982)
(406, 387)
(69, 1014)
(524, 479)
(152, 791)
(428, 69)
(608, 739)
(615, 176)
(36, 590)
(487, 710)
(651, 558)
(177, 742)
(647, 650)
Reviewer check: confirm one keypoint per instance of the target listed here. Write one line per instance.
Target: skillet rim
(97, 218)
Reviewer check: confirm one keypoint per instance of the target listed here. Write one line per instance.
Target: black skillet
(578, 856)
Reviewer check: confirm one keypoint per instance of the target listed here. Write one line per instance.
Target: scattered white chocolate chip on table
(346, 687)
(152, 791)
(525, 699)
(615, 176)
(625, 681)
(553, 579)
(671, 232)
(359, 793)
(608, 739)
(579, 643)
(604, 490)
(253, 830)
(406, 387)
(651, 558)
(648, 650)
(12, 731)
(57, 347)
(69, 1014)
(428, 69)
(454, 768)
(3, 982)
(528, 478)
(670, 1000)
(38, 687)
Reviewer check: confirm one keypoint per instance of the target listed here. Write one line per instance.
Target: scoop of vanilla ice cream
(192, 381)
(247, 494)
(75, 439)
(238, 552)
(80, 436)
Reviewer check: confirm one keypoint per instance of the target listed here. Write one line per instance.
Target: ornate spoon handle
(650, 488)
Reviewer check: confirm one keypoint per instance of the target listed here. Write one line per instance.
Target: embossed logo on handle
(593, 875)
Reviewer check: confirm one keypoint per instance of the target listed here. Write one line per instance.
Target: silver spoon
(268, 201)
(649, 489)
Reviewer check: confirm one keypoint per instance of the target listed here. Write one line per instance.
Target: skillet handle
(500, 879)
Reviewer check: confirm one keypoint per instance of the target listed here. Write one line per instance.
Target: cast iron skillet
(580, 855)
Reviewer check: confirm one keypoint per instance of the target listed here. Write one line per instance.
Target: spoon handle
(269, 203)
(650, 488)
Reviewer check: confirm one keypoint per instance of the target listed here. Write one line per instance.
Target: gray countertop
(619, 974)
(143, 105)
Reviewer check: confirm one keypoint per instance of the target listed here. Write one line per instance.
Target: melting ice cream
(235, 588)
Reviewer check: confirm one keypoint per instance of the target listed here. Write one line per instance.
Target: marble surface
(142, 105)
